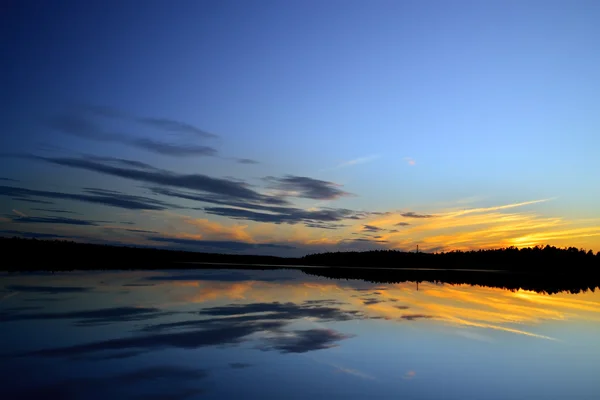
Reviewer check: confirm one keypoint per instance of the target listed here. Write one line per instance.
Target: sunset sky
(293, 127)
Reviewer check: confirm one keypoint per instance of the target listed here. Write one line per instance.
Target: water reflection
(183, 335)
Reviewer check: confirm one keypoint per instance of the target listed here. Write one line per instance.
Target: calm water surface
(227, 334)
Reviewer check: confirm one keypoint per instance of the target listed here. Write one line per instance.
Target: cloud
(175, 126)
(53, 210)
(402, 223)
(94, 196)
(91, 317)
(158, 123)
(55, 220)
(84, 128)
(410, 161)
(411, 214)
(218, 244)
(356, 161)
(19, 213)
(31, 200)
(215, 335)
(304, 187)
(128, 384)
(140, 231)
(34, 234)
(8, 180)
(368, 302)
(247, 161)
(289, 215)
(170, 149)
(255, 312)
(238, 365)
(230, 276)
(47, 289)
(324, 226)
(227, 188)
(412, 317)
(302, 341)
(371, 228)
(409, 375)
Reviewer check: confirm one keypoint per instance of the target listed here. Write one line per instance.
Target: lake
(284, 334)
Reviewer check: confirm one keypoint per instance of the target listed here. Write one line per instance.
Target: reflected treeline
(55, 255)
(541, 283)
(538, 259)
(565, 265)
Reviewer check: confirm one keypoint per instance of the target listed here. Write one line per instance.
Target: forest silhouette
(545, 269)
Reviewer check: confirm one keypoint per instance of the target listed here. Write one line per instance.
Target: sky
(294, 127)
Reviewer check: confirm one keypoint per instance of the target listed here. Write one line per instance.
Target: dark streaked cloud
(94, 196)
(91, 317)
(219, 244)
(138, 284)
(253, 312)
(53, 210)
(181, 381)
(247, 161)
(175, 126)
(35, 201)
(170, 149)
(166, 124)
(404, 223)
(48, 289)
(372, 228)
(368, 302)
(34, 234)
(239, 365)
(221, 276)
(162, 372)
(284, 311)
(8, 179)
(140, 231)
(324, 226)
(213, 336)
(228, 188)
(301, 186)
(54, 220)
(237, 209)
(321, 218)
(302, 341)
(411, 214)
(365, 240)
(82, 127)
(412, 317)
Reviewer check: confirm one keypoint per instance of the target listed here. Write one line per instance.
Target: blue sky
(369, 107)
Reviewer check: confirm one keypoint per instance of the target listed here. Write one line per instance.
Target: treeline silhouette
(542, 269)
(35, 254)
(21, 254)
(536, 259)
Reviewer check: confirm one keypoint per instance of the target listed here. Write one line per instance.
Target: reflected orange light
(462, 305)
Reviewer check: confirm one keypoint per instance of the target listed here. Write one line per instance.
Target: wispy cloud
(81, 127)
(357, 161)
(19, 213)
(305, 187)
(410, 161)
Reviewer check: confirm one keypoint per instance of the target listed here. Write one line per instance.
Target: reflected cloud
(516, 312)
(409, 375)
(48, 289)
(90, 317)
(238, 365)
(182, 381)
(304, 341)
